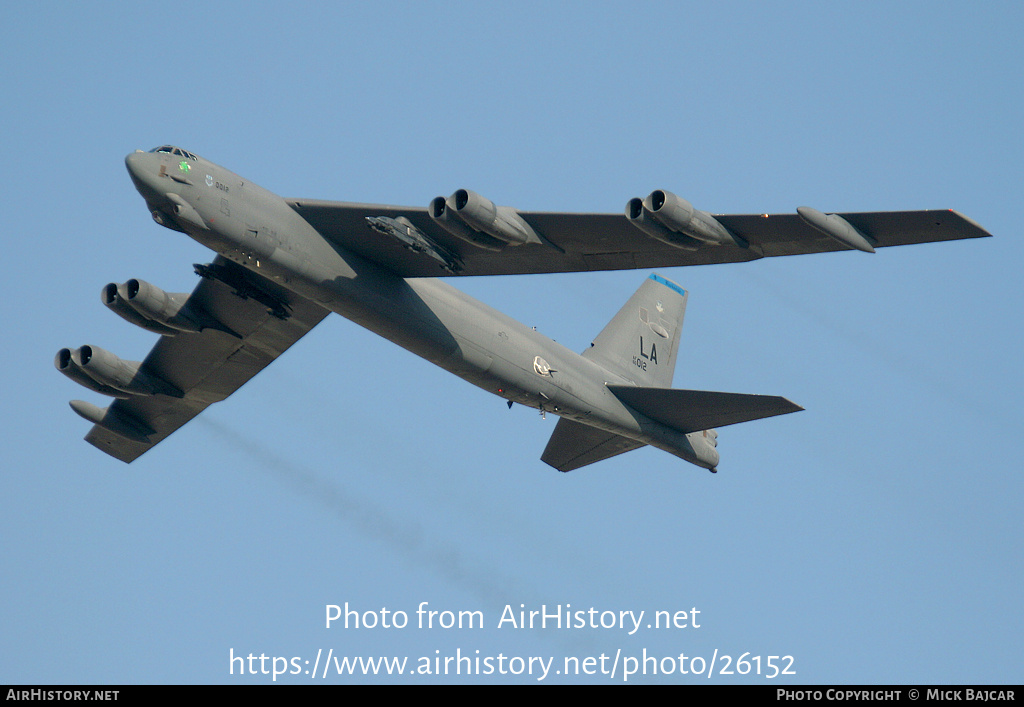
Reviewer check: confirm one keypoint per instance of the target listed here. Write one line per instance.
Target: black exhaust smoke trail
(407, 538)
(876, 350)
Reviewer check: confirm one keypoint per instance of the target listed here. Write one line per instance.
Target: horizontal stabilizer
(574, 444)
(695, 410)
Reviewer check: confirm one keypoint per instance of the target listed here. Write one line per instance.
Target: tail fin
(640, 342)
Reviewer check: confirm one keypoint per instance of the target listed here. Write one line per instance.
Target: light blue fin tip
(671, 285)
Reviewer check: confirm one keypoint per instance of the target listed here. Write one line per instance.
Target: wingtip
(984, 233)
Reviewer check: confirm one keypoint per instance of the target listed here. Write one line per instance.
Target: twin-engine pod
(65, 363)
(105, 373)
(673, 220)
(147, 306)
(471, 217)
(124, 300)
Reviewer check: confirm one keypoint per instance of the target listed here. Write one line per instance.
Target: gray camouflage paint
(362, 262)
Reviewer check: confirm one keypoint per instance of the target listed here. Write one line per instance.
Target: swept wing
(208, 366)
(576, 242)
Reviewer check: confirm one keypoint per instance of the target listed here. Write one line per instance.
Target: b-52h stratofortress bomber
(283, 264)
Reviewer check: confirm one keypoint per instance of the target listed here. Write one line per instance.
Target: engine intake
(166, 308)
(115, 299)
(103, 372)
(640, 217)
(166, 313)
(665, 216)
(65, 363)
(471, 217)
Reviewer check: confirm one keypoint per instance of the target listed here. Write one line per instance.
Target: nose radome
(132, 162)
(143, 170)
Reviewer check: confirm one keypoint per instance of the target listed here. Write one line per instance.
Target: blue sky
(875, 538)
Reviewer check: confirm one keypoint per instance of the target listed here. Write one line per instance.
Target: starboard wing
(210, 365)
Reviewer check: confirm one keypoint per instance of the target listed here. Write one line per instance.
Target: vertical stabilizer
(641, 341)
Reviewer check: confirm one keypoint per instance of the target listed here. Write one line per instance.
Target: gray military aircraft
(283, 264)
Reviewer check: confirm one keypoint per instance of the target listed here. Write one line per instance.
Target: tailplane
(640, 344)
(574, 444)
(695, 410)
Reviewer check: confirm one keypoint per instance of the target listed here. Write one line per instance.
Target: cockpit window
(170, 149)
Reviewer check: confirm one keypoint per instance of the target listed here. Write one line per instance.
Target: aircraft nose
(133, 163)
(140, 168)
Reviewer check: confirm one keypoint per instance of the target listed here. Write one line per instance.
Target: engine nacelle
(166, 308)
(678, 216)
(65, 363)
(166, 313)
(115, 299)
(446, 219)
(471, 217)
(109, 371)
(501, 222)
(642, 219)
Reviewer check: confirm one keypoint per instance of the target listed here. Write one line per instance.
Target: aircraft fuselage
(259, 230)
